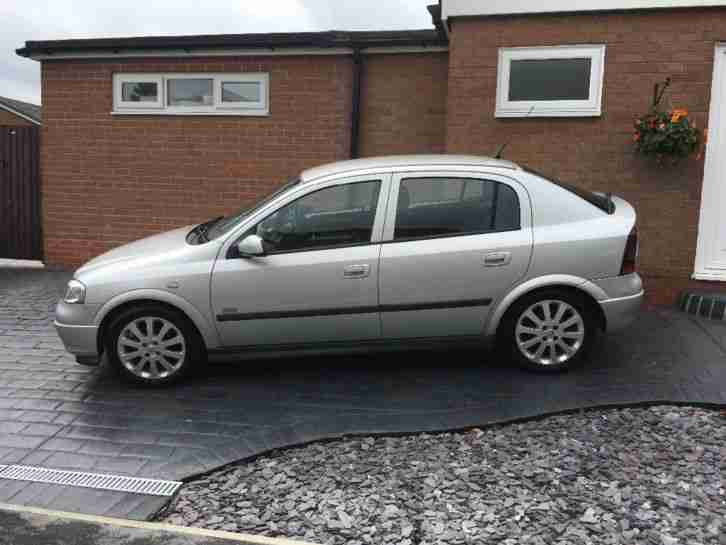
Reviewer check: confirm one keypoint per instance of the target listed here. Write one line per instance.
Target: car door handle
(497, 259)
(357, 271)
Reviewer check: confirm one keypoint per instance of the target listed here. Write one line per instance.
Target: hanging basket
(665, 134)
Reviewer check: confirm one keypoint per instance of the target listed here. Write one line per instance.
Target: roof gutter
(435, 10)
(324, 43)
(229, 52)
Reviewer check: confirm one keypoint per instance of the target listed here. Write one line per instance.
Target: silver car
(383, 253)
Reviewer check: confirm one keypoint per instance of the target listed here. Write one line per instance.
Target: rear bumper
(621, 312)
(80, 340)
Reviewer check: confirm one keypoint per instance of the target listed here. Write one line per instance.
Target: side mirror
(251, 246)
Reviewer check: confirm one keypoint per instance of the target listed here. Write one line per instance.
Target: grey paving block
(70, 460)
(41, 429)
(14, 440)
(12, 427)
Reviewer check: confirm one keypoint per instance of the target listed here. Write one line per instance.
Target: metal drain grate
(116, 483)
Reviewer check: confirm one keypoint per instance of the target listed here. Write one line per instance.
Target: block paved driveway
(55, 413)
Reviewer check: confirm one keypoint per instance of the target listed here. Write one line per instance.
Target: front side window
(192, 94)
(440, 207)
(550, 81)
(341, 215)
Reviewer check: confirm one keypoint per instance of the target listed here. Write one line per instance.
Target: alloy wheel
(550, 332)
(151, 348)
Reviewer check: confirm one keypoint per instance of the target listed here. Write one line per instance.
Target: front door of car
(454, 243)
(318, 280)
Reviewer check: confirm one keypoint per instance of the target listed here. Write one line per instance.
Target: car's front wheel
(153, 345)
(550, 330)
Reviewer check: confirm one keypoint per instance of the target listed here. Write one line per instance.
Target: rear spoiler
(611, 203)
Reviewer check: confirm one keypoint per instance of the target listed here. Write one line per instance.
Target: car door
(454, 243)
(318, 281)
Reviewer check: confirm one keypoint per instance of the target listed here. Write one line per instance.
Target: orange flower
(676, 115)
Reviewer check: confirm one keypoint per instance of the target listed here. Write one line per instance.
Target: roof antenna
(503, 146)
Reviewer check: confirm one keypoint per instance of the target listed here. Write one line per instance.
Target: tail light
(630, 257)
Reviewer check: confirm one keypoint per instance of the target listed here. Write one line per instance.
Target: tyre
(551, 330)
(153, 345)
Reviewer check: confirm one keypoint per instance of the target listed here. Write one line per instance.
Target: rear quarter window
(599, 200)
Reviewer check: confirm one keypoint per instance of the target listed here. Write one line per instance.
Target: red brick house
(145, 134)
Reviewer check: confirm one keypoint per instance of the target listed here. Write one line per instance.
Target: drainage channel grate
(116, 483)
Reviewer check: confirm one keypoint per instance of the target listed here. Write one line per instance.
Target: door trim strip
(313, 313)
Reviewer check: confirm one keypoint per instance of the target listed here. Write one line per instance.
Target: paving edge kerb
(100, 521)
(492, 424)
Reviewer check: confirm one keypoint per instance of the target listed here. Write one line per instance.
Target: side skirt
(347, 347)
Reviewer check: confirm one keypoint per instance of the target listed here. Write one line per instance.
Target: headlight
(75, 292)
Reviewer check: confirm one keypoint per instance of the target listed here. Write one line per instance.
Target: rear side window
(440, 207)
(603, 202)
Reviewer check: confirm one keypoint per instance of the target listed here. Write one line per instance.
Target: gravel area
(628, 476)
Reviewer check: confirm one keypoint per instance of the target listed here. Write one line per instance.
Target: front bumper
(79, 340)
(75, 326)
(621, 312)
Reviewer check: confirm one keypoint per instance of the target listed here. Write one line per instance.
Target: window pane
(335, 216)
(549, 79)
(139, 92)
(190, 92)
(444, 206)
(238, 91)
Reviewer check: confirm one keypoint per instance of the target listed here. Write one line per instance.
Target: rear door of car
(453, 244)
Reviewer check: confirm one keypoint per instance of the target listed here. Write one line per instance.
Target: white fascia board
(469, 8)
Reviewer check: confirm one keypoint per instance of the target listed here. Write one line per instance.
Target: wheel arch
(118, 304)
(581, 286)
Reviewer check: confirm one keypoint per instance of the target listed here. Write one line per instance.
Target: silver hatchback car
(390, 252)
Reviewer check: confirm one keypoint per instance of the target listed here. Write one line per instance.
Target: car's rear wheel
(153, 345)
(551, 330)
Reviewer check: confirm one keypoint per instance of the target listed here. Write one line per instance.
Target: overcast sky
(22, 20)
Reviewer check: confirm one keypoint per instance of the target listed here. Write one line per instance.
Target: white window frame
(160, 107)
(592, 107)
(120, 104)
(262, 79)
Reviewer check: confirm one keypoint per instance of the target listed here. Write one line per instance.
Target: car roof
(397, 161)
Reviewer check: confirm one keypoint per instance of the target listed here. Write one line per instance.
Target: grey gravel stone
(632, 476)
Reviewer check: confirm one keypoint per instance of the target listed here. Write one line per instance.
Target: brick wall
(642, 49)
(107, 180)
(11, 120)
(403, 105)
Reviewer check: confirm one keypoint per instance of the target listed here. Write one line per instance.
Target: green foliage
(666, 134)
